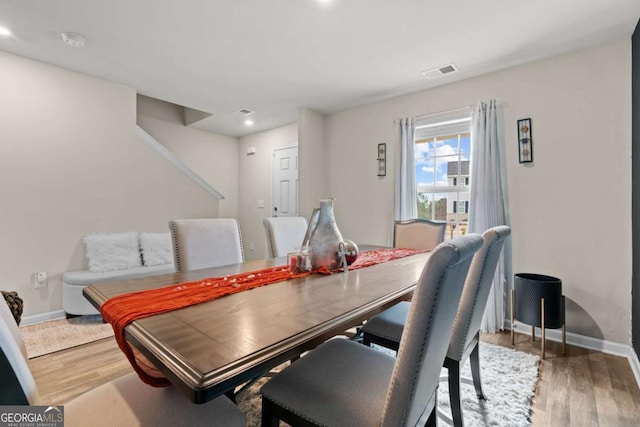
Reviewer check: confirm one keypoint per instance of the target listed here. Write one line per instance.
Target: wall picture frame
(525, 141)
(382, 159)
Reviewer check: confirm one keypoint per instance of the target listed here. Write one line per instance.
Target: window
(442, 153)
(461, 206)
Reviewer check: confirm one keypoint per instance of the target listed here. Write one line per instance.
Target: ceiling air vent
(440, 71)
(243, 112)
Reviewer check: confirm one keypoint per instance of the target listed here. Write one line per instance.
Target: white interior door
(285, 182)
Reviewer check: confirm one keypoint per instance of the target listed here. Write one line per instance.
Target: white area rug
(55, 335)
(509, 378)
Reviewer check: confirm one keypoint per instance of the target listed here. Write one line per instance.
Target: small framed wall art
(525, 141)
(382, 159)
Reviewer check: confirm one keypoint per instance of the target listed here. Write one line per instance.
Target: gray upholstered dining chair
(207, 242)
(418, 234)
(333, 385)
(284, 234)
(126, 401)
(386, 328)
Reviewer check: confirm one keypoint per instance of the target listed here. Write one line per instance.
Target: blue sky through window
(432, 159)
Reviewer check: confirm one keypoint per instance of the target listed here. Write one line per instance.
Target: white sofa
(112, 257)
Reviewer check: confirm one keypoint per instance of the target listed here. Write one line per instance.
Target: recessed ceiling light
(248, 122)
(73, 39)
(4, 31)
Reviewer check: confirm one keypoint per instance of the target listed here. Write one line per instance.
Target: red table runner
(126, 308)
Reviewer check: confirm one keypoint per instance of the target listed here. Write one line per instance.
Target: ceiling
(275, 56)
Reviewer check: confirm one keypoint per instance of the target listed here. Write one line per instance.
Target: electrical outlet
(251, 246)
(39, 279)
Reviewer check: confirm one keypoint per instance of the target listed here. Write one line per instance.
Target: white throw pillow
(112, 251)
(156, 248)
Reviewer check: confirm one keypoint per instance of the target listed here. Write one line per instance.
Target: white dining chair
(206, 242)
(126, 401)
(418, 234)
(284, 234)
(344, 383)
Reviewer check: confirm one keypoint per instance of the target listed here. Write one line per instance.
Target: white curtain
(406, 202)
(488, 198)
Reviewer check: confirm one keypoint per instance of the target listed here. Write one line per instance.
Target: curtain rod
(453, 110)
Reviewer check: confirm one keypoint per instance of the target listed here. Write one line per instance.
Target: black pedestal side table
(537, 300)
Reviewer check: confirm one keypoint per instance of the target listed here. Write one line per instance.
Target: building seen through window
(442, 153)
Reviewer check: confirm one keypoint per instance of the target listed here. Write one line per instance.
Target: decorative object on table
(348, 253)
(525, 141)
(15, 304)
(300, 261)
(537, 300)
(313, 222)
(382, 159)
(342, 252)
(325, 238)
(351, 251)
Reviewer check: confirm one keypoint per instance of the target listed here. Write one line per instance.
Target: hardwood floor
(581, 388)
(63, 375)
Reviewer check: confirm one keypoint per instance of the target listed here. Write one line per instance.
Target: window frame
(438, 129)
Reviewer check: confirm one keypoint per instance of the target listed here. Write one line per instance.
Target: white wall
(313, 156)
(211, 156)
(72, 164)
(255, 184)
(570, 209)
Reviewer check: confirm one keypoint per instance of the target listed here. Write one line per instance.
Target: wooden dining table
(209, 349)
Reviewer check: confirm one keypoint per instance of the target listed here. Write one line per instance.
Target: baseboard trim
(42, 317)
(590, 343)
(616, 349)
